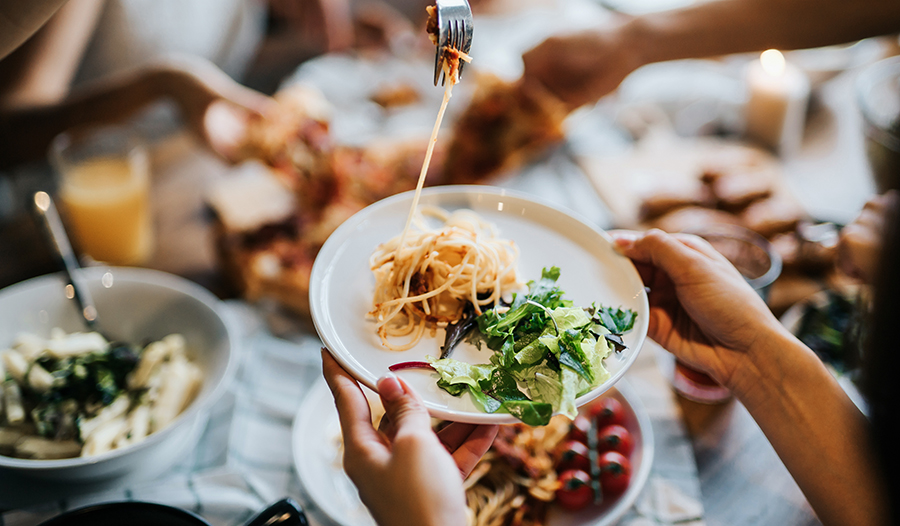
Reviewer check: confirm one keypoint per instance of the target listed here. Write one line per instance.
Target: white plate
(341, 286)
(317, 459)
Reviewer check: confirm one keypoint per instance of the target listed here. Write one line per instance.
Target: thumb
(402, 405)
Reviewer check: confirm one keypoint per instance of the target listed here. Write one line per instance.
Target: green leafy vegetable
(547, 352)
(618, 321)
(531, 413)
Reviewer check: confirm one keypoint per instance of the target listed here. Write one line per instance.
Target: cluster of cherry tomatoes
(593, 461)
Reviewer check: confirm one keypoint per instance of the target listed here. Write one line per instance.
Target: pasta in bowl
(81, 406)
(77, 394)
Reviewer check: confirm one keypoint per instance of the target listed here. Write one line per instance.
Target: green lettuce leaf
(570, 318)
(570, 384)
(531, 413)
(618, 321)
(456, 372)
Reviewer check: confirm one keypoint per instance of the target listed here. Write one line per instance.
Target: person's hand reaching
(405, 472)
(701, 308)
(581, 68)
(214, 106)
(859, 248)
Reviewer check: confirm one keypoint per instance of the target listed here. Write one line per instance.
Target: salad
(546, 352)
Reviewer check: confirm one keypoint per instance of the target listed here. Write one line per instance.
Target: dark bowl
(285, 512)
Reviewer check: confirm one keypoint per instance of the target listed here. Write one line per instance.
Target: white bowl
(134, 305)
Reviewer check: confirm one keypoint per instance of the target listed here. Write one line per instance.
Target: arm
(736, 26)
(41, 70)
(703, 312)
(19, 20)
(581, 68)
(195, 85)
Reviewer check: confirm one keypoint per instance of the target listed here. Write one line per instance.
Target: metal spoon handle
(77, 288)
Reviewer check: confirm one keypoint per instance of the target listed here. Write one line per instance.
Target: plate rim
(338, 237)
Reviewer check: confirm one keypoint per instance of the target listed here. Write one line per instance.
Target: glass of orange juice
(104, 190)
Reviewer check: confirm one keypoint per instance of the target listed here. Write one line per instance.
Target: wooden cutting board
(662, 162)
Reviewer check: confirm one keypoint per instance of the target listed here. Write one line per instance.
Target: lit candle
(776, 108)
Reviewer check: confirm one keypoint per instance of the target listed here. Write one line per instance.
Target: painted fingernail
(389, 387)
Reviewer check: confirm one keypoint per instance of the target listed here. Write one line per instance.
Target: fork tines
(454, 19)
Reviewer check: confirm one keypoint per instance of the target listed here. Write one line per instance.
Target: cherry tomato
(572, 454)
(579, 428)
(615, 472)
(607, 411)
(615, 438)
(574, 491)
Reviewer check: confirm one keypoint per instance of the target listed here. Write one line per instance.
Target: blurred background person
(98, 61)
(582, 67)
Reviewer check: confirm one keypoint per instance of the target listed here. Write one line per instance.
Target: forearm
(19, 20)
(41, 70)
(734, 26)
(820, 435)
(25, 133)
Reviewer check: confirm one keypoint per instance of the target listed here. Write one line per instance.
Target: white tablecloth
(243, 458)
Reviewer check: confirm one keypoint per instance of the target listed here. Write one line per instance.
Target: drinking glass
(104, 190)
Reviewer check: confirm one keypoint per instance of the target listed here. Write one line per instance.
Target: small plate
(591, 271)
(316, 439)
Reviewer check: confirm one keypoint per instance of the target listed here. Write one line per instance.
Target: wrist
(775, 362)
(635, 41)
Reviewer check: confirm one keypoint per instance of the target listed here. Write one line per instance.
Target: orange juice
(106, 204)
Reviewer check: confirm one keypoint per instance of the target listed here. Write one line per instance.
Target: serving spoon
(76, 288)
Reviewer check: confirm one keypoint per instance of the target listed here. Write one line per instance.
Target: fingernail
(389, 387)
(623, 240)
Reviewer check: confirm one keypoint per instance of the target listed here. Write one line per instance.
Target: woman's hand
(701, 308)
(213, 105)
(859, 248)
(581, 68)
(405, 473)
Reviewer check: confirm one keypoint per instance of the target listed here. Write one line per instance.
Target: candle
(776, 107)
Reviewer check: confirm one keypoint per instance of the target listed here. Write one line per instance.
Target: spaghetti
(427, 282)
(426, 276)
(515, 481)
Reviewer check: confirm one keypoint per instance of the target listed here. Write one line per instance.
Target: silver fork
(454, 18)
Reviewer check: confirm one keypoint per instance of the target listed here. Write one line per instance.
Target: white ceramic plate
(317, 459)
(341, 286)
